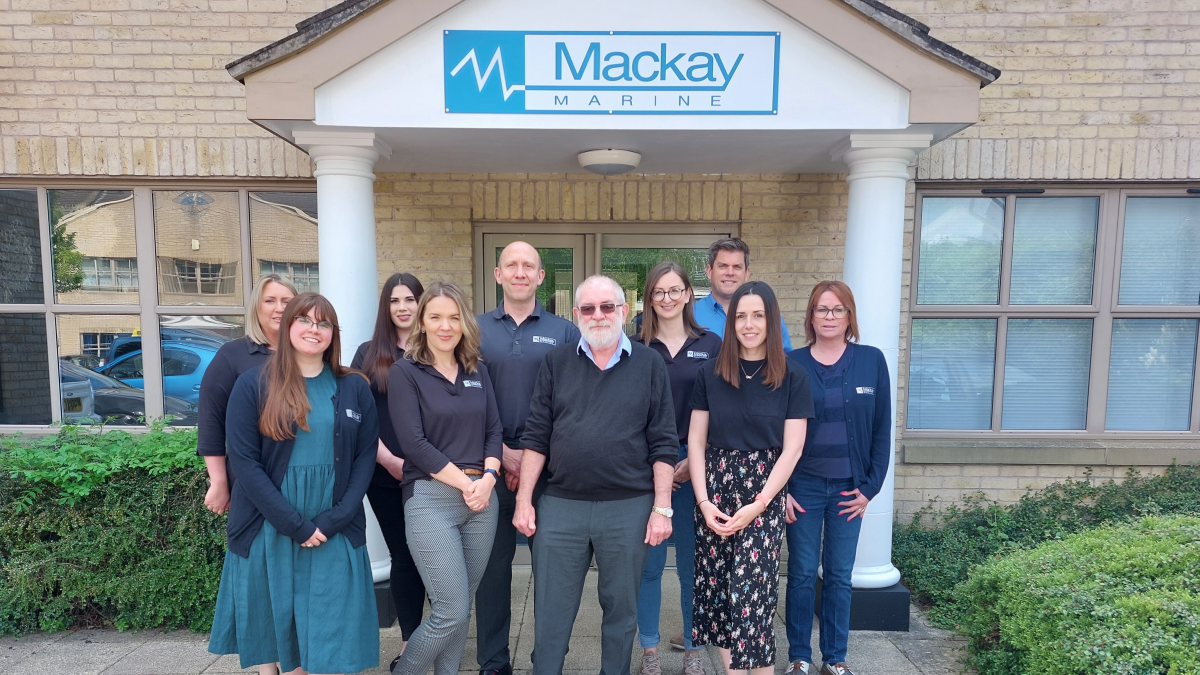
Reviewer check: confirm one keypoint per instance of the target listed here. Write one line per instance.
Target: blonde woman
(444, 413)
(270, 297)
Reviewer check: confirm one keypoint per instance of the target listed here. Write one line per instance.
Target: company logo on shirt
(866, 390)
(545, 340)
(473, 384)
(357, 417)
(697, 355)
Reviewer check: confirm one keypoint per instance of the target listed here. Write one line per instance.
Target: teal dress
(301, 607)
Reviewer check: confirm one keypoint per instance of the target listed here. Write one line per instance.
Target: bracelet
(703, 502)
(495, 474)
(762, 500)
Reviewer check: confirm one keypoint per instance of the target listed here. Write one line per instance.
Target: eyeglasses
(323, 326)
(606, 307)
(658, 294)
(838, 312)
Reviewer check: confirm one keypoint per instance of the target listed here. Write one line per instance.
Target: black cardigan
(261, 462)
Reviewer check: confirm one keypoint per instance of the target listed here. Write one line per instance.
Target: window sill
(1105, 452)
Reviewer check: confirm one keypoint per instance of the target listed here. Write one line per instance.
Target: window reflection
(100, 369)
(95, 253)
(198, 236)
(283, 237)
(20, 248)
(189, 344)
(25, 371)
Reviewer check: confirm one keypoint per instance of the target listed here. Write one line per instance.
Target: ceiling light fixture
(609, 162)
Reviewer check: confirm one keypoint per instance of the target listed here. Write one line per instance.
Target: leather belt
(473, 472)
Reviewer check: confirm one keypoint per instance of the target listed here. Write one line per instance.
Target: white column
(346, 255)
(873, 256)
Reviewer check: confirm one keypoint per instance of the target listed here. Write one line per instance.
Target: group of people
(462, 431)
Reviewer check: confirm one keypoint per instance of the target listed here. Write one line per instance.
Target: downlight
(609, 162)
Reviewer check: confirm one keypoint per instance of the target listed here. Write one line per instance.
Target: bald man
(514, 339)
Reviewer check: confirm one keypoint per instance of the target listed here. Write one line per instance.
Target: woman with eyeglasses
(296, 588)
(669, 328)
(845, 461)
(394, 324)
(444, 411)
(750, 409)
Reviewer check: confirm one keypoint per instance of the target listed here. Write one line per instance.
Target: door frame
(594, 235)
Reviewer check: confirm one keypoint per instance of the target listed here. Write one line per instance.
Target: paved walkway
(922, 651)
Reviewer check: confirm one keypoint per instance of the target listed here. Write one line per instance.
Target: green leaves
(106, 530)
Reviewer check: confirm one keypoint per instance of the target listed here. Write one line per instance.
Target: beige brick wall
(138, 87)
(1091, 89)
(794, 223)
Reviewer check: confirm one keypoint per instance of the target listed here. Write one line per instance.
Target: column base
(384, 605)
(876, 608)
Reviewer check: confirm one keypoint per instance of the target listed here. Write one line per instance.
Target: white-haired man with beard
(602, 422)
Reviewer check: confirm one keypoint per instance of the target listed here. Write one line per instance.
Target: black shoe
(392, 668)
(506, 669)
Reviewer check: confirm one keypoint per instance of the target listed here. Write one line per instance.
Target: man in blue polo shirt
(728, 267)
(514, 338)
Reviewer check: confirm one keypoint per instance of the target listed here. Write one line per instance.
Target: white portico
(698, 87)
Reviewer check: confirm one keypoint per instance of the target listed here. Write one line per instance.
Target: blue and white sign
(612, 72)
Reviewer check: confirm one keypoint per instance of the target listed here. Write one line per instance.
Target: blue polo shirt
(710, 314)
(513, 355)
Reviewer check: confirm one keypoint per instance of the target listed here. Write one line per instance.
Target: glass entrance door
(563, 258)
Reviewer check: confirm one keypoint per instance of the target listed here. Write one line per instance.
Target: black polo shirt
(387, 433)
(751, 417)
(514, 354)
(439, 422)
(682, 369)
(231, 360)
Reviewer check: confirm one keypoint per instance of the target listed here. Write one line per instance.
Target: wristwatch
(664, 511)
(495, 474)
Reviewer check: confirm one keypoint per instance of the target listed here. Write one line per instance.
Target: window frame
(148, 309)
(1102, 311)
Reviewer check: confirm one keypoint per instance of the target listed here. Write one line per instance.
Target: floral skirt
(737, 577)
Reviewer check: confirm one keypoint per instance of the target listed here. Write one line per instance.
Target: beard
(601, 334)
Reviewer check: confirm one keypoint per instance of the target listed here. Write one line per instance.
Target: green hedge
(936, 551)
(1117, 599)
(106, 530)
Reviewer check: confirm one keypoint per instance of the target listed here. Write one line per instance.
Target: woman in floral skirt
(750, 410)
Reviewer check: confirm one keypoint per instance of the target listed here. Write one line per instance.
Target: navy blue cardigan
(868, 400)
(260, 463)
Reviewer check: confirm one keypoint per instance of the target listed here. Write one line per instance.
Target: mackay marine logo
(611, 73)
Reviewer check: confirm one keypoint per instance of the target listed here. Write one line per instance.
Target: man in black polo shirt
(514, 339)
(602, 421)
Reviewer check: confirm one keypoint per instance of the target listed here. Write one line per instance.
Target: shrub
(936, 551)
(106, 530)
(1116, 599)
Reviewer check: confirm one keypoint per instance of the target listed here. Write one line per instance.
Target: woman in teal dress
(296, 589)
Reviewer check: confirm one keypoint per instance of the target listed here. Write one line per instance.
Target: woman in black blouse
(393, 325)
(750, 410)
(269, 298)
(444, 412)
(670, 329)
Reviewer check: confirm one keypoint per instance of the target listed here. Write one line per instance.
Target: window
(110, 274)
(305, 276)
(1056, 310)
(74, 348)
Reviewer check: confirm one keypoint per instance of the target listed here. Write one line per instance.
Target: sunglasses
(605, 307)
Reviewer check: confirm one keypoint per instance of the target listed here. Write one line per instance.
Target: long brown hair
(381, 350)
(650, 315)
(467, 349)
(844, 295)
(728, 365)
(286, 406)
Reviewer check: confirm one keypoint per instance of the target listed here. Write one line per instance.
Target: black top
(231, 360)
(602, 430)
(751, 417)
(827, 451)
(261, 463)
(439, 422)
(514, 355)
(682, 369)
(867, 399)
(387, 433)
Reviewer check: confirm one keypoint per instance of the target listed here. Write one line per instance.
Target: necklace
(751, 375)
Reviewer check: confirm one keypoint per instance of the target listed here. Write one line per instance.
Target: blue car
(184, 364)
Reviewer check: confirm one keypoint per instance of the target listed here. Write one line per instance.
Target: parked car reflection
(114, 402)
(184, 364)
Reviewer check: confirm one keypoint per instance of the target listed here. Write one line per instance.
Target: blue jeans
(683, 528)
(819, 497)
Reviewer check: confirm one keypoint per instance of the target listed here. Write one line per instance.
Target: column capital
(877, 155)
(344, 153)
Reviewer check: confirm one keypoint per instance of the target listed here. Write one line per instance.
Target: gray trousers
(450, 544)
(569, 533)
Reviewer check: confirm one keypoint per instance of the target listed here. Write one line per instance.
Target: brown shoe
(835, 669)
(676, 642)
(651, 664)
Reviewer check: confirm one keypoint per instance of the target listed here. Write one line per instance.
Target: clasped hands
(479, 492)
(726, 525)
